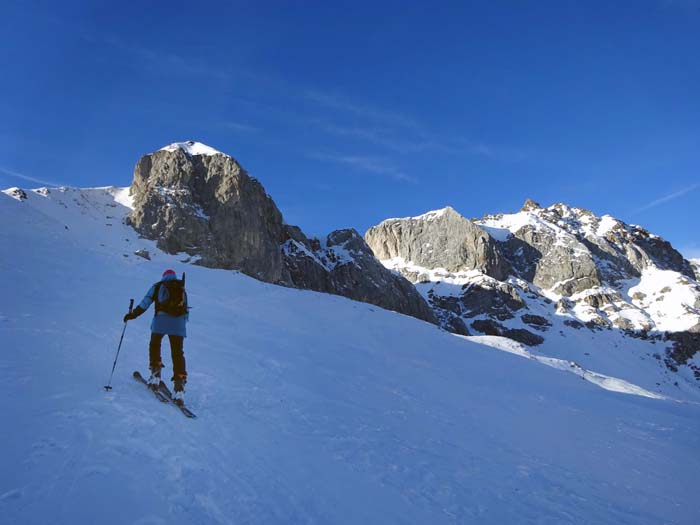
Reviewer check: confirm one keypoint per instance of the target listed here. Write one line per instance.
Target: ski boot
(154, 380)
(179, 388)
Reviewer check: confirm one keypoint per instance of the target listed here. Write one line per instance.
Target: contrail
(667, 198)
(12, 173)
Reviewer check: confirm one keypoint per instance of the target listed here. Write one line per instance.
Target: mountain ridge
(566, 270)
(537, 276)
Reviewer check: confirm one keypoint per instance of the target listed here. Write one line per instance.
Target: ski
(159, 395)
(164, 390)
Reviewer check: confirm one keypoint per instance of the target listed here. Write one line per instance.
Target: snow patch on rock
(192, 148)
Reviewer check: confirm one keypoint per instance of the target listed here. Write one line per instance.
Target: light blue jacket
(164, 323)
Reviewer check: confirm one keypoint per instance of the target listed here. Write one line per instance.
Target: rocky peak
(16, 193)
(530, 205)
(206, 205)
(598, 270)
(437, 239)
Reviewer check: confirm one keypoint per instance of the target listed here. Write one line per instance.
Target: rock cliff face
(442, 239)
(207, 206)
(343, 264)
(509, 274)
(193, 199)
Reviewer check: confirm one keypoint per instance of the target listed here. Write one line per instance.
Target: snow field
(311, 408)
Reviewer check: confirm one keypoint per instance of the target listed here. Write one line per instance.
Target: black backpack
(175, 302)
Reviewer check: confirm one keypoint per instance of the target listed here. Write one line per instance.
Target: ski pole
(109, 387)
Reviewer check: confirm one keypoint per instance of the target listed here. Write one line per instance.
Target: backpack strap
(156, 289)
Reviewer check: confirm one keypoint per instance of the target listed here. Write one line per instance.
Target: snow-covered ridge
(121, 195)
(192, 148)
(604, 281)
(427, 216)
(559, 218)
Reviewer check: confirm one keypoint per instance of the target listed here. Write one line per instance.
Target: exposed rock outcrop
(489, 327)
(207, 205)
(343, 264)
(597, 271)
(438, 239)
(193, 199)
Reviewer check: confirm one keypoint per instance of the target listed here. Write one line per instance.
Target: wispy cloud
(241, 128)
(408, 141)
(370, 164)
(337, 102)
(28, 178)
(385, 138)
(667, 198)
(299, 105)
(166, 60)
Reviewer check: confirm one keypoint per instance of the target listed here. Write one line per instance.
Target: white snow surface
(435, 275)
(606, 224)
(668, 297)
(503, 226)
(192, 148)
(428, 216)
(696, 266)
(311, 408)
(608, 383)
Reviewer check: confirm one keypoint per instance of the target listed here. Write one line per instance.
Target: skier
(170, 319)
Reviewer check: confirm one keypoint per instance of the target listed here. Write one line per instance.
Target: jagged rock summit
(510, 274)
(438, 239)
(194, 199)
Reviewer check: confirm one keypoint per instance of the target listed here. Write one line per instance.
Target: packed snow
(311, 408)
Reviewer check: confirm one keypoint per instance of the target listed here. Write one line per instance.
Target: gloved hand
(134, 314)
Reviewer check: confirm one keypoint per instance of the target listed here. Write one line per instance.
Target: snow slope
(312, 408)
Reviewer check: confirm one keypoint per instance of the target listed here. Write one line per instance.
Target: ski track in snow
(311, 408)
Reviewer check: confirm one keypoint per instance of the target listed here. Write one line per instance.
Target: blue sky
(352, 112)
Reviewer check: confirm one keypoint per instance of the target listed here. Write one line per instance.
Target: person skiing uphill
(170, 319)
